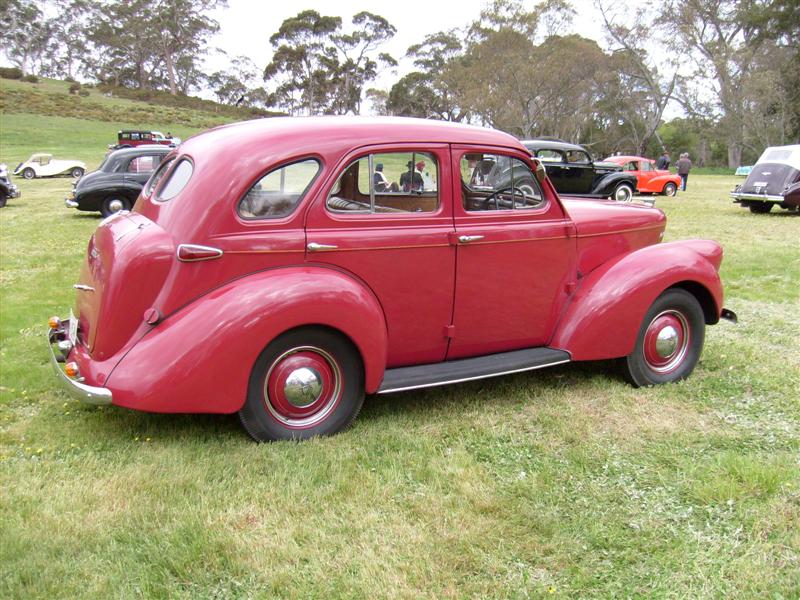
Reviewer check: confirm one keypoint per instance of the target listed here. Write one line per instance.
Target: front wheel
(28, 173)
(670, 189)
(623, 193)
(670, 341)
(114, 204)
(307, 382)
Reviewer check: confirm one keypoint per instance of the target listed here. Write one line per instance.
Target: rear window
(158, 176)
(279, 192)
(177, 180)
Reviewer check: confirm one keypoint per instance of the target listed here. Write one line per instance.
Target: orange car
(650, 180)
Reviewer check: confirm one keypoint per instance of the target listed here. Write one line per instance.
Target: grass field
(564, 483)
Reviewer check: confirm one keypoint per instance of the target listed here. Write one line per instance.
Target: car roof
(538, 144)
(143, 149)
(313, 134)
(626, 158)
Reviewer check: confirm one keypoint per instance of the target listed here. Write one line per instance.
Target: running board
(468, 369)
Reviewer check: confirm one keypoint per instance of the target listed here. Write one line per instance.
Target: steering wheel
(496, 193)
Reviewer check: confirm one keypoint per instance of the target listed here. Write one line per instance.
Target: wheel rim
(623, 194)
(115, 205)
(666, 341)
(670, 190)
(302, 387)
(28, 174)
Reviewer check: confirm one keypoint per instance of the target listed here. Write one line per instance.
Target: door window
(550, 156)
(388, 182)
(498, 182)
(578, 157)
(143, 164)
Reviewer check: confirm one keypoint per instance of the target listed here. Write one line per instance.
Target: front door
(515, 256)
(386, 220)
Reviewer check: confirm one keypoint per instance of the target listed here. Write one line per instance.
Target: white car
(44, 165)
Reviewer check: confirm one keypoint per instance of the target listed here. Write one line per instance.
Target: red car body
(189, 304)
(649, 179)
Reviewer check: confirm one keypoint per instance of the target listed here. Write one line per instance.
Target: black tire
(28, 173)
(114, 204)
(3, 201)
(761, 208)
(670, 189)
(77, 172)
(623, 193)
(669, 342)
(327, 376)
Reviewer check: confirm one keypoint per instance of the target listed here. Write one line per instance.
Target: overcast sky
(246, 25)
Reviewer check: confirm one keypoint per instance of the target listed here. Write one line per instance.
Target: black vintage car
(775, 179)
(116, 184)
(573, 172)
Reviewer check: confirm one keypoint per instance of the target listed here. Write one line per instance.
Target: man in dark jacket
(684, 165)
(662, 164)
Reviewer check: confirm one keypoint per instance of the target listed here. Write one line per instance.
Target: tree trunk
(173, 89)
(734, 155)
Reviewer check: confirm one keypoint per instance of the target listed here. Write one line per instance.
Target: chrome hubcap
(667, 341)
(303, 387)
(115, 205)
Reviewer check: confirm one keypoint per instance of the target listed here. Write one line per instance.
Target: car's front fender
(199, 359)
(605, 313)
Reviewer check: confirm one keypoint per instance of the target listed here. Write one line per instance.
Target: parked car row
(337, 257)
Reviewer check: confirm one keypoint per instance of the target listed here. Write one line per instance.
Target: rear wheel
(114, 204)
(307, 382)
(28, 173)
(670, 189)
(77, 172)
(623, 193)
(670, 341)
(761, 207)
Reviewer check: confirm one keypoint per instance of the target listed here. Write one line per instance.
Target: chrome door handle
(315, 247)
(466, 239)
(83, 288)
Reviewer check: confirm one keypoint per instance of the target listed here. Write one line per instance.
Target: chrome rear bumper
(76, 388)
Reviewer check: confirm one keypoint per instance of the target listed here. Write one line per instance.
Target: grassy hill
(73, 126)
(564, 483)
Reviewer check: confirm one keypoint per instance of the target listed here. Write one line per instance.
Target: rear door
(387, 220)
(515, 257)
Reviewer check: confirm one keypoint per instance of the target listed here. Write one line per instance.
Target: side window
(550, 156)
(142, 164)
(644, 165)
(629, 166)
(389, 182)
(498, 182)
(279, 192)
(578, 157)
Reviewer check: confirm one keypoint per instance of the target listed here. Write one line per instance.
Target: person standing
(662, 164)
(684, 165)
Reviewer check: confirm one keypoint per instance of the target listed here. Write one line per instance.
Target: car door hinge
(449, 331)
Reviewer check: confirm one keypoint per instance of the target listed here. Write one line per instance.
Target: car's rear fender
(606, 184)
(199, 359)
(605, 313)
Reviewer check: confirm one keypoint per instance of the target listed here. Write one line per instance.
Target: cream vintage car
(44, 165)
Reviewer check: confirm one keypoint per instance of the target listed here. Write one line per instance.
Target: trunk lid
(126, 264)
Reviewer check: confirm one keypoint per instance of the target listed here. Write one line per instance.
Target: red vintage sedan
(284, 268)
(650, 180)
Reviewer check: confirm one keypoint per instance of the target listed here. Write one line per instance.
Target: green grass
(565, 483)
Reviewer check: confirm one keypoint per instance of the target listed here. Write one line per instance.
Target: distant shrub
(10, 73)
(74, 87)
(31, 79)
(83, 93)
(69, 79)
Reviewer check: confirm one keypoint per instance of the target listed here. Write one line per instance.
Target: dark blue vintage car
(775, 179)
(116, 184)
